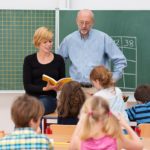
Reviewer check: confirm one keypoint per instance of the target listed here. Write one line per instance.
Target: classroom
(131, 37)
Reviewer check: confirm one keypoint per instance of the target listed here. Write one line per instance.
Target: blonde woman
(99, 129)
(44, 61)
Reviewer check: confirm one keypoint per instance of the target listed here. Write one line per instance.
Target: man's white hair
(90, 12)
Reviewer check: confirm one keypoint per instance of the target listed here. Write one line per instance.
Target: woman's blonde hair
(96, 110)
(41, 35)
(103, 75)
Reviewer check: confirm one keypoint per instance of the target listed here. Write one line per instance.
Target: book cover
(54, 82)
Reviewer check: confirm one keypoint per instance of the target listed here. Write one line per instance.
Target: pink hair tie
(90, 113)
(110, 113)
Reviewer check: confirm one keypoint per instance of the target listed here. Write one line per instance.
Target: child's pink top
(104, 143)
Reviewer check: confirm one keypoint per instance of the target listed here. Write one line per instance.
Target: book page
(60, 82)
(64, 80)
(49, 79)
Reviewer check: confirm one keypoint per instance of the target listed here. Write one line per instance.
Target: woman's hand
(49, 87)
(59, 86)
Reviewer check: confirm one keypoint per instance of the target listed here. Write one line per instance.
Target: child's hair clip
(110, 113)
(90, 113)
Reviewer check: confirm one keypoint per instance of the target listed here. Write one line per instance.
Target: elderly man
(88, 47)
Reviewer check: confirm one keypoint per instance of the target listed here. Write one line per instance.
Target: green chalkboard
(16, 32)
(131, 32)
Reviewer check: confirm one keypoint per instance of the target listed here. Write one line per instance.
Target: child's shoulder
(44, 137)
(118, 90)
(139, 107)
(102, 92)
(46, 141)
(143, 104)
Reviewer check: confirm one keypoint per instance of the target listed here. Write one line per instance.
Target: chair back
(145, 129)
(62, 129)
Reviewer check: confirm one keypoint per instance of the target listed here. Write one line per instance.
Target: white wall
(29, 4)
(110, 4)
(75, 4)
(6, 99)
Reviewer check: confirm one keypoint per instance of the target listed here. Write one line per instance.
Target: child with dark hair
(26, 112)
(70, 101)
(141, 111)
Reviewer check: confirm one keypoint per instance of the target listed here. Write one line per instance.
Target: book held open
(54, 82)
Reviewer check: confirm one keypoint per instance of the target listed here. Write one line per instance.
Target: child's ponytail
(94, 111)
(112, 126)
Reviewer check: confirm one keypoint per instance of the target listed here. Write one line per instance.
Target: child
(26, 112)
(99, 129)
(103, 82)
(140, 112)
(70, 101)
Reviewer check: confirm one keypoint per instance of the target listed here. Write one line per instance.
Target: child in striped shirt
(141, 111)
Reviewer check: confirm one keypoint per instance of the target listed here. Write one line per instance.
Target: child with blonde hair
(102, 80)
(99, 129)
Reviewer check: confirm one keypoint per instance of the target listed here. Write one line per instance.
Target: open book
(54, 82)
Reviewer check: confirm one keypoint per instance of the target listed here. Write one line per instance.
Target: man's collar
(86, 37)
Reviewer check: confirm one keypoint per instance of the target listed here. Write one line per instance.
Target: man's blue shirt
(97, 49)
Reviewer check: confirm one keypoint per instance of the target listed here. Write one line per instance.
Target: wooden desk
(60, 138)
(146, 143)
(2, 134)
(60, 142)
